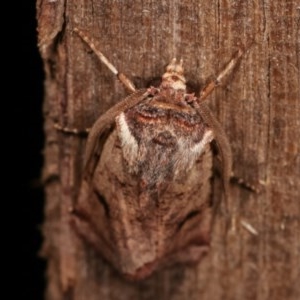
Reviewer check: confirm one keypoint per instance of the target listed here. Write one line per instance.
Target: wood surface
(259, 107)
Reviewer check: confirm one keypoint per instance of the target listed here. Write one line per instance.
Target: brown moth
(145, 199)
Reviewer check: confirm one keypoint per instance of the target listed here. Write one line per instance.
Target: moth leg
(123, 78)
(207, 90)
(245, 184)
(69, 130)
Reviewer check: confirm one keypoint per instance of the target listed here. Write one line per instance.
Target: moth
(145, 198)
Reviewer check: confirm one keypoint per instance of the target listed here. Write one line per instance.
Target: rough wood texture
(259, 108)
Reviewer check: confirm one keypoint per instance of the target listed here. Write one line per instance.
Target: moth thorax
(173, 77)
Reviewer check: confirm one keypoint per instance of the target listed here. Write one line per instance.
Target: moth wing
(98, 135)
(103, 127)
(222, 144)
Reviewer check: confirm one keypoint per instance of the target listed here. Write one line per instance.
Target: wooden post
(259, 108)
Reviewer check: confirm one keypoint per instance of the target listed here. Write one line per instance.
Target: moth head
(173, 77)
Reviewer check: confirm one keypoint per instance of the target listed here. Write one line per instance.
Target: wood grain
(259, 108)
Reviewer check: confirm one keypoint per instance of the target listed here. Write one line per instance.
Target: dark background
(28, 274)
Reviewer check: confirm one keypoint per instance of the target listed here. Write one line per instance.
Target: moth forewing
(222, 142)
(104, 124)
